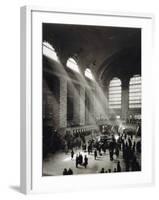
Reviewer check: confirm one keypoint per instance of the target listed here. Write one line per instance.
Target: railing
(82, 129)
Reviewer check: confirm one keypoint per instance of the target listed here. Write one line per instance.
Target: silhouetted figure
(70, 172)
(111, 150)
(118, 167)
(109, 170)
(134, 147)
(102, 170)
(72, 154)
(95, 154)
(89, 149)
(65, 172)
(100, 153)
(77, 161)
(80, 159)
(130, 143)
(85, 161)
(123, 149)
(84, 147)
(115, 170)
(111, 154)
(104, 148)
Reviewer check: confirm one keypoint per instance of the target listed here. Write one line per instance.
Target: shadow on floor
(15, 188)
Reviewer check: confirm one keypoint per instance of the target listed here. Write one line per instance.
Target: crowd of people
(116, 169)
(80, 160)
(124, 147)
(130, 149)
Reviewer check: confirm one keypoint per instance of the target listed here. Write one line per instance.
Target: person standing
(77, 161)
(102, 170)
(117, 152)
(115, 170)
(118, 167)
(89, 149)
(95, 154)
(72, 154)
(70, 172)
(65, 172)
(85, 161)
(80, 159)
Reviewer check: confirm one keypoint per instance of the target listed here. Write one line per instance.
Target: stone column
(86, 107)
(82, 105)
(63, 103)
(125, 98)
(106, 90)
(76, 104)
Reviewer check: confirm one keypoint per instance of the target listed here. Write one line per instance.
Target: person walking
(72, 154)
(95, 154)
(85, 161)
(118, 167)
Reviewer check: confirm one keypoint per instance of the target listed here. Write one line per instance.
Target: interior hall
(91, 99)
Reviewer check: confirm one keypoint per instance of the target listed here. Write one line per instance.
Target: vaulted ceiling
(107, 51)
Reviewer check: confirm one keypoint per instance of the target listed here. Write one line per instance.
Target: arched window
(89, 74)
(71, 63)
(135, 92)
(115, 93)
(49, 51)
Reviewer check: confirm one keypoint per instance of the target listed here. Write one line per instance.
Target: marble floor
(55, 163)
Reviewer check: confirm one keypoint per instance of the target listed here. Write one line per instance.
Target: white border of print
(31, 100)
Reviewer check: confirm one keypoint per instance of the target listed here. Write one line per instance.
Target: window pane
(135, 92)
(115, 93)
(89, 74)
(71, 63)
(49, 51)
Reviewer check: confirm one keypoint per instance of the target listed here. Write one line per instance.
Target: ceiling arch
(107, 51)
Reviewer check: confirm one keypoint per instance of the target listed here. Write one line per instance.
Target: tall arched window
(135, 92)
(89, 74)
(115, 93)
(49, 51)
(71, 63)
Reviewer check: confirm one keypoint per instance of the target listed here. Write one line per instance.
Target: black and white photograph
(91, 94)
(79, 100)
